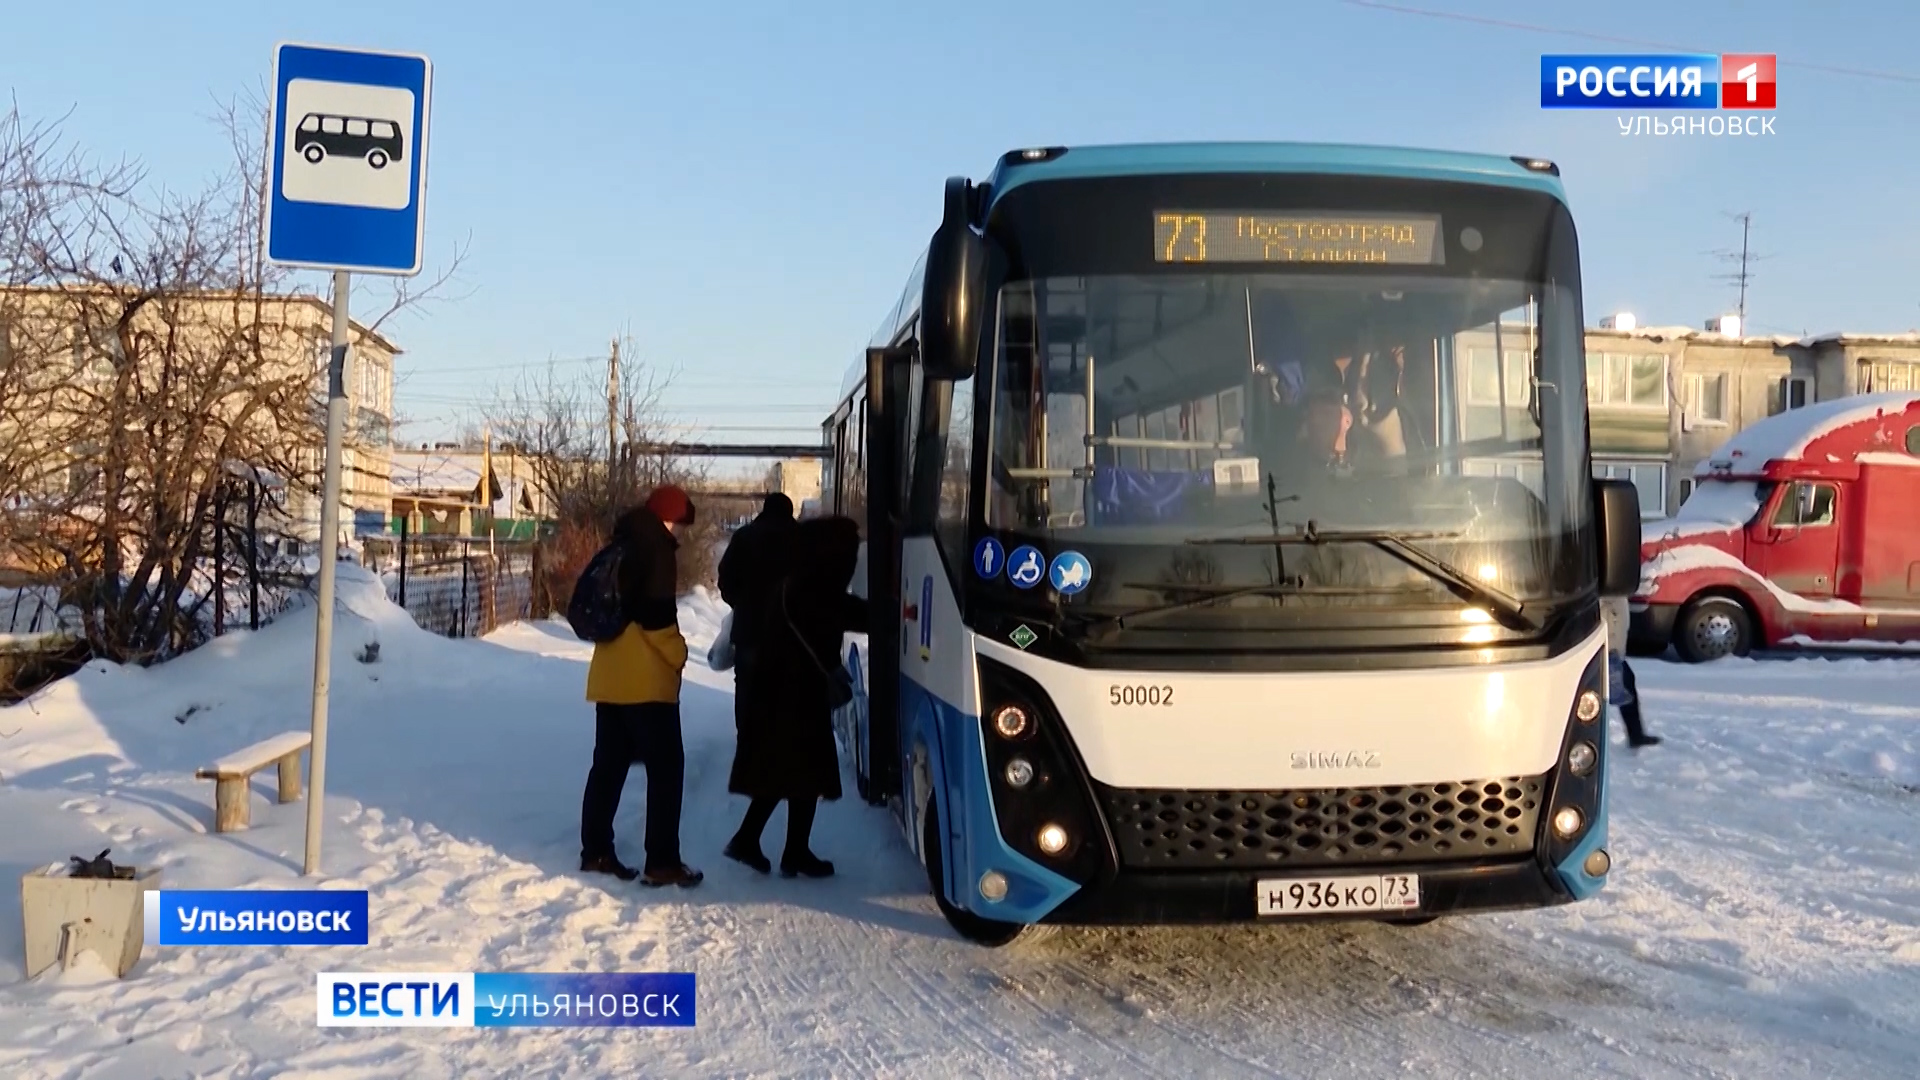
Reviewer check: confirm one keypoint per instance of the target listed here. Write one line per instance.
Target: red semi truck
(1803, 530)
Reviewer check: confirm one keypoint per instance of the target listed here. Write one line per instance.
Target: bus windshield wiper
(1132, 618)
(1504, 606)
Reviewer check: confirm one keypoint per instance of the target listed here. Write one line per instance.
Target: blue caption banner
(256, 917)
(1667, 81)
(499, 999)
(583, 1000)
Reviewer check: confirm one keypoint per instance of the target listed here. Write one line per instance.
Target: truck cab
(1800, 532)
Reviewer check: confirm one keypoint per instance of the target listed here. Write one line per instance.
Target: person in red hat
(634, 683)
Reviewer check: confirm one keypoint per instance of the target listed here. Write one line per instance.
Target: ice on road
(1761, 921)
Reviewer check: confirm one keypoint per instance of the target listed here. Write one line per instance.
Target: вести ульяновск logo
(1743, 81)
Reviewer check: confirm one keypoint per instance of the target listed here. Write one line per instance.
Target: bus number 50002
(1141, 695)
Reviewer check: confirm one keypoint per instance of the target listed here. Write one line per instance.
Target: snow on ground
(1761, 924)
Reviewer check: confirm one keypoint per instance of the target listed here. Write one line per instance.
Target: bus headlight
(993, 886)
(1567, 822)
(1012, 722)
(1019, 772)
(1052, 838)
(1581, 758)
(1587, 707)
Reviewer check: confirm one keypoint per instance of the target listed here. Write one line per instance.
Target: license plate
(1323, 896)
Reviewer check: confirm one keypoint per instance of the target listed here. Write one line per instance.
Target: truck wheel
(989, 932)
(1712, 628)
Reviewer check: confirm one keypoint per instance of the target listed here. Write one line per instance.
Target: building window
(1622, 381)
(1792, 392)
(1483, 378)
(1686, 489)
(1649, 478)
(1529, 473)
(1706, 397)
(1889, 376)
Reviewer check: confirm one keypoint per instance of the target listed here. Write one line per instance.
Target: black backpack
(595, 611)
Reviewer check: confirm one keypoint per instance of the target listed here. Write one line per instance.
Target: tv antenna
(1744, 258)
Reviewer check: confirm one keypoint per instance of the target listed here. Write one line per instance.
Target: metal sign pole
(329, 547)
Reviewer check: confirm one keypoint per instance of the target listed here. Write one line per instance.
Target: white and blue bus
(1231, 541)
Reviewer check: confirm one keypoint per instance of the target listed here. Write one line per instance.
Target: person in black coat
(752, 563)
(786, 749)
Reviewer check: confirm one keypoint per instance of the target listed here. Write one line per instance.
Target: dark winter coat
(786, 743)
(755, 558)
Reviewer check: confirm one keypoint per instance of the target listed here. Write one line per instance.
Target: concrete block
(64, 916)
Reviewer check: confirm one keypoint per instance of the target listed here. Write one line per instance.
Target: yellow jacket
(638, 666)
(643, 665)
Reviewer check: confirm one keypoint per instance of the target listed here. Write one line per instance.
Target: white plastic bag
(720, 653)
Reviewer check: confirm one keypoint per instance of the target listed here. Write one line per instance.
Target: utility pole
(613, 413)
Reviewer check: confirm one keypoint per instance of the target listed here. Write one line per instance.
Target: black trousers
(1630, 712)
(623, 735)
(799, 823)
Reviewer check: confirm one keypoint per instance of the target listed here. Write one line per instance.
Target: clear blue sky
(743, 187)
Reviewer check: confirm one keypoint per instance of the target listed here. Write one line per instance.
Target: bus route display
(1231, 236)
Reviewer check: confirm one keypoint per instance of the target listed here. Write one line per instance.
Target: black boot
(806, 864)
(1638, 741)
(607, 864)
(798, 859)
(747, 854)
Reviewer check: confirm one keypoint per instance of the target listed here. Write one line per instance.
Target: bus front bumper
(1137, 897)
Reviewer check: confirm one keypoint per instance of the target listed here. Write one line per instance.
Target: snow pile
(1762, 920)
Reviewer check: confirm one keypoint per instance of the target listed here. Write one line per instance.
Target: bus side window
(956, 473)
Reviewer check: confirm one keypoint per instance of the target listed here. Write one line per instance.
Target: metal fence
(33, 609)
(457, 588)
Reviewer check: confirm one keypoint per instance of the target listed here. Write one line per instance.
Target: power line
(1505, 24)
(518, 365)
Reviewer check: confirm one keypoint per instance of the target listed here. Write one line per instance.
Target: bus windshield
(1175, 423)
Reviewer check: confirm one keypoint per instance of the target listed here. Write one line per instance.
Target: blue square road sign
(349, 159)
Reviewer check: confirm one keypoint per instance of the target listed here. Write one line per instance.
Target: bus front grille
(1163, 829)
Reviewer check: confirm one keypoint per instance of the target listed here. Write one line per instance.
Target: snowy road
(1762, 921)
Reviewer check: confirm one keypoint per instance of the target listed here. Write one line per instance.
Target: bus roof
(1152, 159)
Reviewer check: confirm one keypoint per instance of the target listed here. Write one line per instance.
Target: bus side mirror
(950, 300)
(1616, 518)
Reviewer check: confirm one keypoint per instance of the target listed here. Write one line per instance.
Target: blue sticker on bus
(1071, 572)
(989, 558)
(1026, 567)
(926, 618)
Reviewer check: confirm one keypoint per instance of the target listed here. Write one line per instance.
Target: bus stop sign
(348, 159)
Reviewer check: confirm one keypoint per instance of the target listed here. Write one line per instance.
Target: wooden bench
(232, 775)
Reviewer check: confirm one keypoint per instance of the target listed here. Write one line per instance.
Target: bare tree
(162, 355)
(558, 423)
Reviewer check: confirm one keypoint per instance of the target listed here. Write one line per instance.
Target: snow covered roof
(421, 472)
(1687, 333)
(1786, 436)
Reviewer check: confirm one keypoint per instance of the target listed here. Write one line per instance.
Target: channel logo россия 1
(1742, 81)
